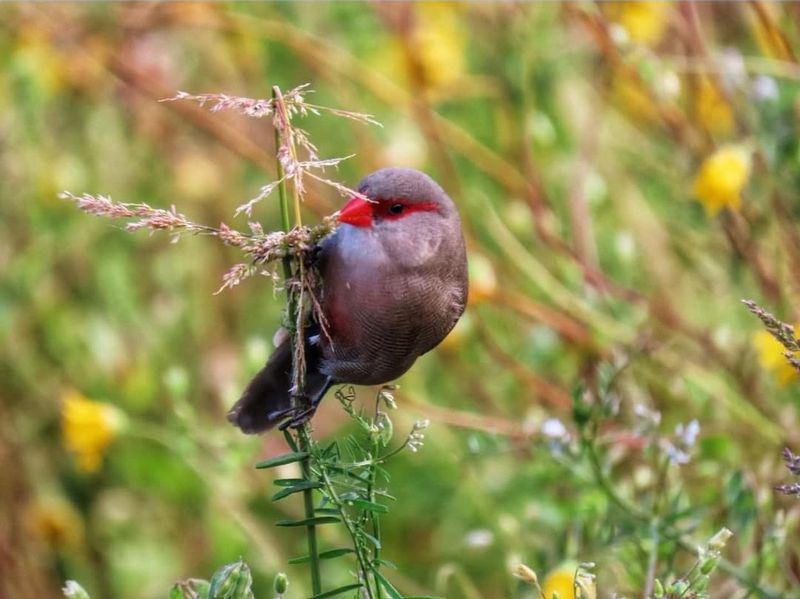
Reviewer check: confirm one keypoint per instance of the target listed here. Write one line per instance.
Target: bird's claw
(296, 416)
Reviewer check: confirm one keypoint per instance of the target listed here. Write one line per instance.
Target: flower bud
(708, 564)
(679, 587)
(232, 581)
(386, 429)
(658, 589)
(72, 590)
(525, 574)
(719, 540)
(281, 584)
(701, 584)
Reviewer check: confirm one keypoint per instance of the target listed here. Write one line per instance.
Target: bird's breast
(380, 315)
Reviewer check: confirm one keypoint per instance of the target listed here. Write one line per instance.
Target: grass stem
(303, 436)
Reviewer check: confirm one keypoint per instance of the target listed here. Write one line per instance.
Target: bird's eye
(396, 209)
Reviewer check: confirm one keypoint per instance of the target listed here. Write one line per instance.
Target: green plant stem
(637, 513)
(363, 560)
(652, 561)
(374, 519)
(304, 438)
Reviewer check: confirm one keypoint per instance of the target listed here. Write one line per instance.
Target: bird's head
(394, 195)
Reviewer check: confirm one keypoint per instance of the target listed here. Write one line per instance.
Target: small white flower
(480, 538)
(688, 433)
(765, 88)
(553, 428)
(72, 590)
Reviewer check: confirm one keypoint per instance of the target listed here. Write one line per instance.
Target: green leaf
(330, 554)
(331, 450)
(296, 488)
(369, 506)
(286, 458)
(387, 563)
(327, 510)
(393, 592)
(339, 591)
(287, 482)
(316, 521)
(364, 478)
(290, 440)
(372, 539)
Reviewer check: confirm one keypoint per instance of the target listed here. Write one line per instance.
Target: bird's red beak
(356, 212)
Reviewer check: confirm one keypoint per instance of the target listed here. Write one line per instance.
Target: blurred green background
(626, 173)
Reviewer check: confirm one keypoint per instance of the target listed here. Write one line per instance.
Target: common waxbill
(394, 283)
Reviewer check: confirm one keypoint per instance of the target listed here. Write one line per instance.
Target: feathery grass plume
(261, 248)
(292, 103)
(780, 330)
(783, 333)
(792, 462)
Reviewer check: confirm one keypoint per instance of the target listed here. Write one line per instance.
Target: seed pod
(281, 584)
(232, 581)
(708, 564)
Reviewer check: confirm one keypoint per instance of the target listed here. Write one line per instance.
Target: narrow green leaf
(290, 440)
(372, 539)
(330, 554)
(421, 597)
(393, 592)
(339, 591)
(364, 478)
(301, 486)
(331, 450)
(369, 506)
(327, 510)
(287, 482)
(387, 563)
(280, 460)
(316, 521)
(333, 553)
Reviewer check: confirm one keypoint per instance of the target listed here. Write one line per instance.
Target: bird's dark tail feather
(266, 401)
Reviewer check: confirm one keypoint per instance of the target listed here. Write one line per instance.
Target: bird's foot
(303, 409)
(299, 416)
(296, 415)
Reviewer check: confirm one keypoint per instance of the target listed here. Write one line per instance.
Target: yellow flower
(644, 22)
(88, 428)
(54, 522)
(721, 179)
(770, 356)
(440, 44)
(563, 581)
(711, 108)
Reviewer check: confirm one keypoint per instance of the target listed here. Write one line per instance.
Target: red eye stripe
(393, 209)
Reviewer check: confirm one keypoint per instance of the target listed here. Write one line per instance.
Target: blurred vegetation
(626, 174)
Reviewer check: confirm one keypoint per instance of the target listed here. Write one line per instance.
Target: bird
(393, 285)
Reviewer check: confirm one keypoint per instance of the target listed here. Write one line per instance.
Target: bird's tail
(266, 400)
